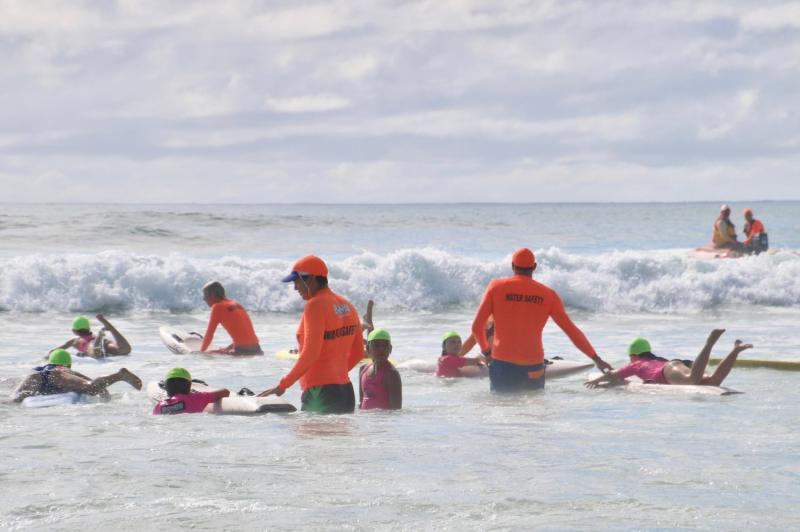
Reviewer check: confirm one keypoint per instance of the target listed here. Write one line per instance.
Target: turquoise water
(456, 457)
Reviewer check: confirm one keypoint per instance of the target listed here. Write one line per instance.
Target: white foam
(414, 279)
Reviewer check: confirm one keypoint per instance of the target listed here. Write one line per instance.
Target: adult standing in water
(330, 342)
(521, 308)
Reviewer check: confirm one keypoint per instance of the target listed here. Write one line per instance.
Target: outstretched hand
(277, 390)
(602, 365)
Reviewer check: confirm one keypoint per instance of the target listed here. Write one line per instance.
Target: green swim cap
(639, 346)
(379, 334)
(80, 323)
(451, 334)
(59, 357)
(178, 373)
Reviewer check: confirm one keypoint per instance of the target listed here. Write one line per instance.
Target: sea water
(456, 457)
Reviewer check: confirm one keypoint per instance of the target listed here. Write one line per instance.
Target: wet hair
(650, 356)
(176, 386)
(214, 288)
(83, 332)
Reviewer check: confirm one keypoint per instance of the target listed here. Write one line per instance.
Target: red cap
(308, 265)
(523, 258)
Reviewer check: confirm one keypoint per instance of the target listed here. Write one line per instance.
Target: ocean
(456, 457)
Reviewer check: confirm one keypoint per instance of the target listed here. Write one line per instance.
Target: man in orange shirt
(330, 342)
(757, 241)
(521, 307)
(234, 318)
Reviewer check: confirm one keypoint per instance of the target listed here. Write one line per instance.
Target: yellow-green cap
(80, 323)
(639, 346)
(379, 334)
(451, 334)
(178, 373)
(59, 357)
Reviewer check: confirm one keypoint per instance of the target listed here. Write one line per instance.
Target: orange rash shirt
(754, 229)
(329, 336)
(235, 320)
(521, 307)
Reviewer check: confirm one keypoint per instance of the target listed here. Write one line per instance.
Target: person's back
(233, 318)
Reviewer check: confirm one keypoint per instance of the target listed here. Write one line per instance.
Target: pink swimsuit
(647, 370)
(375, 394)
(449, 365)
(192, 403)
(84, 344)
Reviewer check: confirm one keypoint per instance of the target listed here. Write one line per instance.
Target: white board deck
(181, 342)
(635, 384)
(555, 368)
(58, 399)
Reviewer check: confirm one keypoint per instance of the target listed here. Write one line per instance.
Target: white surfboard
(181, 342)
(554, 369)
(635, 384)
(57, 399)
(235, 405)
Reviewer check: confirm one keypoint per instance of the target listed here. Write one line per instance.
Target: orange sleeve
(356, 353)
(479, 323)
(213, 321)
(577, 337)
(313, 333)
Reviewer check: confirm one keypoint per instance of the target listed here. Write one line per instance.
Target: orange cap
(308, 265)
(523, 258)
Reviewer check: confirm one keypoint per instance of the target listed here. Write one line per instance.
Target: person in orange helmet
(330, 341)
(521, 307)
(757, 241)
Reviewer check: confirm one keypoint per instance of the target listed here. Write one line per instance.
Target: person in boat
(657, 370)
(756, 241)
(724, 234)
(88, 345)
(57, 377)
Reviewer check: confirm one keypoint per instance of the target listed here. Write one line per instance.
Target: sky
(385, 101)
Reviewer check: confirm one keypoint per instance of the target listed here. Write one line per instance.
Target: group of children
(380, 385)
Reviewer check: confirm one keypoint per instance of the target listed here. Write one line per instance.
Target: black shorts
(505, 377)
(329, 399)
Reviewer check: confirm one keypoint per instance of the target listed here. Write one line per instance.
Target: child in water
(87, 344)
(57, 377)
(180, 398)
(379, 384)
(452, 363)
(652, 369)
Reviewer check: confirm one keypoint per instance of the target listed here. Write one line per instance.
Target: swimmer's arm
(361, 371)
(310, 351)
(219, 394)
(481, 317)
(611, 378)
(213, 321)
(394, 387)
(467, 346)
(69, 343)
(479, 360)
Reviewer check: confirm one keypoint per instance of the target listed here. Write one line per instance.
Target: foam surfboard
(635, 384)
(181, 342)
(234, 405)
(554, 369)
(58, 399)
(784, 365)
(710, 253)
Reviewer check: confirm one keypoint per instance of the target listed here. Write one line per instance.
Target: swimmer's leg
(120, 345)
(75, 383)
(727, 364)
(700, 363)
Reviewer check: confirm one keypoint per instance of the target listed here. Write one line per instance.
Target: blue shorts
(505, 377)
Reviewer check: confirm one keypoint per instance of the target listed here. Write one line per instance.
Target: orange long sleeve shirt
(521, 308)
(329, 336)
(234, 319)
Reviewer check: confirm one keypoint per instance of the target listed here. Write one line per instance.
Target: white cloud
(307, 104)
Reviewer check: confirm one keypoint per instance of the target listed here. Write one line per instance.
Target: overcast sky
(399, 101)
